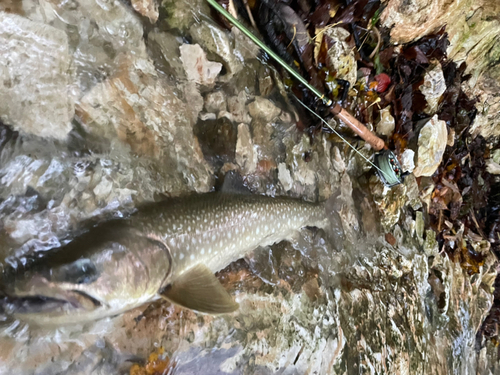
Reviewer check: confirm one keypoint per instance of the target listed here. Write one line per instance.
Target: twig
(250, 16)
(294, 34)
(331, 26)
(379, 40)
(477, 224)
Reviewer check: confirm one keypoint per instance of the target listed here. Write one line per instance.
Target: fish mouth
(40, 304)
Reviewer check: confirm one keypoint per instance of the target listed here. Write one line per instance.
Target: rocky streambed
(107, 104)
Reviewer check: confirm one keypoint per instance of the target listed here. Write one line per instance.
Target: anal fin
(198, 289)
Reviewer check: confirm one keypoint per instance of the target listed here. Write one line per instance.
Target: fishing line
(340, 136)
(387, 165)
(270, 52)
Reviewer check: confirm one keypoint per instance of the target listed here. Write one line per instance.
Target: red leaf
(383, 81)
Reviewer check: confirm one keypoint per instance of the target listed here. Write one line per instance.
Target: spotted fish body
(216, 230)
(170, 248)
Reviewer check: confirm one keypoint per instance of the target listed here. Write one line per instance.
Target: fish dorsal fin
(198, 289)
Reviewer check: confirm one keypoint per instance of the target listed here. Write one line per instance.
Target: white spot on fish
(202, 251)
(181, 256)
(214, 237)
(192, 257)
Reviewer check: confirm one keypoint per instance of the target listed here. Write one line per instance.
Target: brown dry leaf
(390, 239)
(157, 364)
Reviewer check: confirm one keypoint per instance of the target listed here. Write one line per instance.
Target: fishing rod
(385, 162)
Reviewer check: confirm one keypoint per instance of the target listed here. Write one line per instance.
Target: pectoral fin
(198, 289)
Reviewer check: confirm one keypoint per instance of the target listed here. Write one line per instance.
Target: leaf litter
(465, 199)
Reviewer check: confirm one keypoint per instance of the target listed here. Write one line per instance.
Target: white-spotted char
(171, 248)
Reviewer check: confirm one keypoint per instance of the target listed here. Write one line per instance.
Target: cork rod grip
(361, 130)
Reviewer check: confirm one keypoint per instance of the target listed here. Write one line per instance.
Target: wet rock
(266, 83)
(408, 160)
(218, 140)
(97, 32)
(412, 192)
(263, 109)
(302, 173)
(310, 166)
(12, 6)
(145, 113)
(181, 15)
(389, 202)
(487, 121)
(192, 96)
(244, 48)
(492, 167)
(35, 95)
(264, 137)
(433, 88)
(215, 102)
(238, 110)
(472, 28)
(218, 44)
(432, 141)
(165, 52)
(413, 19)
(341, 56)
(204, 116)
(386, 124)
(369, 218)
(198, 68)
(474, 39)
(495, 156)
(246, 157)
(403, 307)
(76, 189)
(347, 212)
(285, 177)
(147, 8)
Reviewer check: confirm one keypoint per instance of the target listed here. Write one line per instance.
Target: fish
(171, 250)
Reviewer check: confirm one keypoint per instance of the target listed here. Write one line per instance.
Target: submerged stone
(144, 112)
(35, 94)
(198, 68)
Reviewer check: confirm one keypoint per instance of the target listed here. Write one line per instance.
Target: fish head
(100, 274)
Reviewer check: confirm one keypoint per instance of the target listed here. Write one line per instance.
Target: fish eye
(81, 271)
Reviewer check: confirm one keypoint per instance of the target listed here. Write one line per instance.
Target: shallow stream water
(167, 108)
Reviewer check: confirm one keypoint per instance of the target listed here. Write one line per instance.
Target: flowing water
(168, 109)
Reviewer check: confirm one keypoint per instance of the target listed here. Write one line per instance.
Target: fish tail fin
(333, 228)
